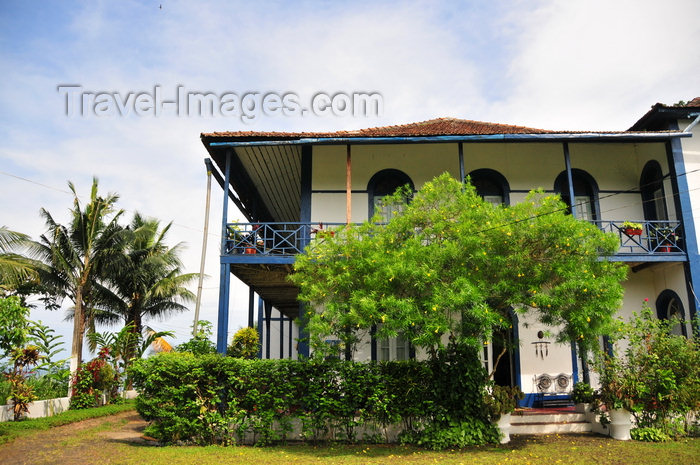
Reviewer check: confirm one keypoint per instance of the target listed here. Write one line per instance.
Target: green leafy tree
(656, 375)
(75, 255)
(451, 264)
(124, 347)
(14, 324)
(201, 343)
(245, 344)
(52, 373)
(145, 280)
(21, 393)
(48, 342)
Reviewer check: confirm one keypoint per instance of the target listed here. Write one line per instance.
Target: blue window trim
(651, 169)
(662, 302)
(374, 180)
(496, 177)
(561, 182)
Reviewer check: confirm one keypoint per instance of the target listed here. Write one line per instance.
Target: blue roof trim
(464, 138)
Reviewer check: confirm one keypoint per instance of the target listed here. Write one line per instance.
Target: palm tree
(146, 279)
(15, 269)
(75, 256)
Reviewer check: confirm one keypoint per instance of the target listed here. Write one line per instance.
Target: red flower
(646, 299)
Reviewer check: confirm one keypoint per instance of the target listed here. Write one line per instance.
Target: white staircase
(539, 421)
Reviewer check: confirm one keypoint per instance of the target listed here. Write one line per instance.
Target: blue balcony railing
(274, 238)
(655, 237)
(289, 239)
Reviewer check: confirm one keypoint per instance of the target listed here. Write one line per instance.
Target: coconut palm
(75, 256)
(15, 269)
(146, 279)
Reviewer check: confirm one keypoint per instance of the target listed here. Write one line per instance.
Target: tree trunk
(77, 345)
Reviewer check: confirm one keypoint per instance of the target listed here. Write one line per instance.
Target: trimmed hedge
(212, 399)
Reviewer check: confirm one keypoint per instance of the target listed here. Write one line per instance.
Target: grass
(579, 449)
(98, 445)
(12, 429)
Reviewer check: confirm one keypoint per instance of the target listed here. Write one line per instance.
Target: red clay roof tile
(433, 127)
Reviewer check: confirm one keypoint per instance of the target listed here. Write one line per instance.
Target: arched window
(585, 193)
(491, 186)
(669, 306)
(385, 183)
(651, 184)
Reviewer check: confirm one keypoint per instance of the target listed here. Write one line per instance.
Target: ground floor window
(395, 348)
(669, 306)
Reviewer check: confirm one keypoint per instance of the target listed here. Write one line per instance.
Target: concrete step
(543, 422)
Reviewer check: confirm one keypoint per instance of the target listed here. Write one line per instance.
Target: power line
(628, 191)
(83, 197)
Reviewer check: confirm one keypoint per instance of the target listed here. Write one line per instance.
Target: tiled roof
(433, 127)
(659, 112)
(694, 103)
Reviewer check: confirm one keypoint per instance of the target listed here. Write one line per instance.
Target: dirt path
(65, 444)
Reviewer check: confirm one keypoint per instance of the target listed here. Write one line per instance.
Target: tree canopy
(451, 265)
(74, 256)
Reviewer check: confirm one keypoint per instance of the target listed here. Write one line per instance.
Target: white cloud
(601, 65)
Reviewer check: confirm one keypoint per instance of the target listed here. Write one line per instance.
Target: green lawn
(546, 450)
(110, 440)
(13, 429)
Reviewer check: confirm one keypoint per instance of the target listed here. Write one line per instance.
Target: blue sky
(557, 65)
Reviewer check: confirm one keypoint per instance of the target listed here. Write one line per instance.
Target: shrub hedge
(211, 399)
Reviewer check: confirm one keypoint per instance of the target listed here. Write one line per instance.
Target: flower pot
(620, 424)
(250, 250)
(503, 425)
(582, 407)
(632, 232)
(665, 249)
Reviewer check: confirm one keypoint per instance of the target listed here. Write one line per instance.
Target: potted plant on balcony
(500, 402)
(667, 238)
(632, 229)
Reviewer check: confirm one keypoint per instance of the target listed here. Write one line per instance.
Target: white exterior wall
(616, 167)
(691, 157)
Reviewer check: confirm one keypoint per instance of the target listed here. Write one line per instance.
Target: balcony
(655, 241)
(280, 242)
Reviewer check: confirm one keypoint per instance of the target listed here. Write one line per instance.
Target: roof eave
(212, 143)
(661, 112)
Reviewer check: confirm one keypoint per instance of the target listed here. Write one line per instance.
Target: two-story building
(289, 186)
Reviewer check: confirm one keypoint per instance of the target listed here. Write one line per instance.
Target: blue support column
(302, 342)
(574, 363)
(305, 208)
(268, 315)
(281, 336)
(260, 329)
(222, 324)
(516, 352)
(251, 307)
(225, 274)
(291, 336)
(572, 204)
(461, 163)
(679, 181)
(570, 180)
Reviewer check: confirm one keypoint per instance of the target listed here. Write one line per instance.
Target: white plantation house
(290, 186)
